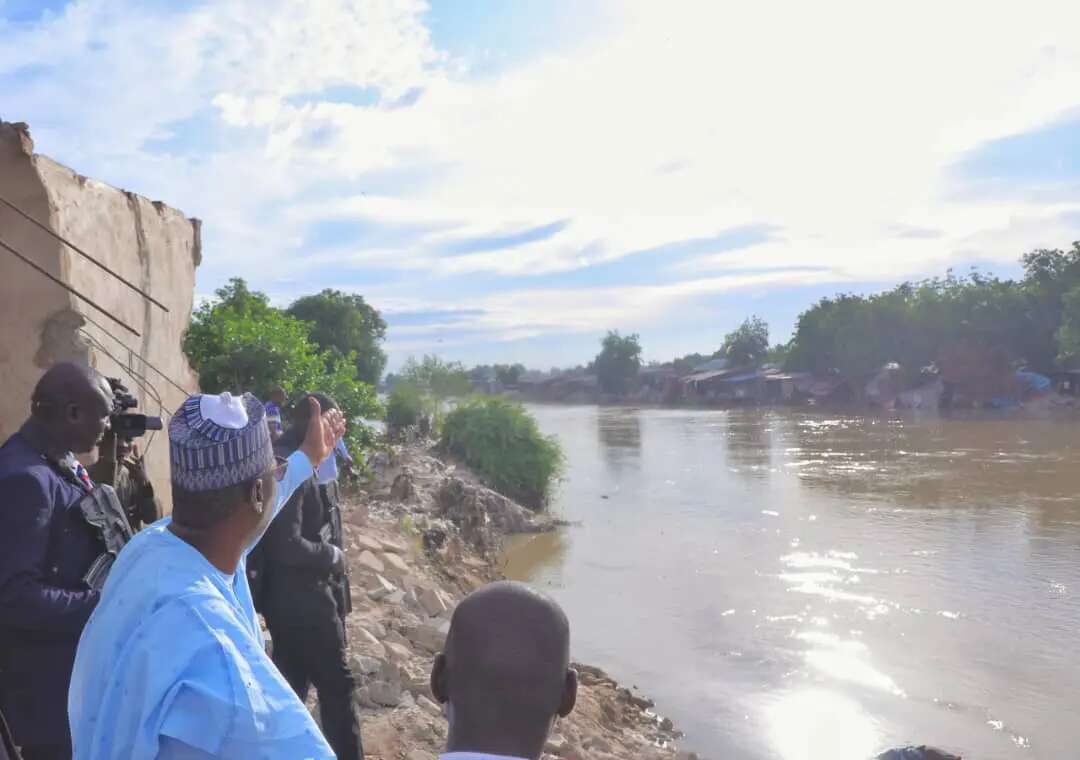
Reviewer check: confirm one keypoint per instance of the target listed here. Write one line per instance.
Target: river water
(812, 586)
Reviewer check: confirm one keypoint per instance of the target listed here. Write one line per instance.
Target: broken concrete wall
(151, 245)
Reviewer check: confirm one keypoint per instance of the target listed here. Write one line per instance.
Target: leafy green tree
(238, 343)
(1068, 335)
(1048, 275)
(508, 375)
(344, 323)
(618, 362)
(684, 365)
(747, 345)
(777, 355)
(913, 323)
(442, 379)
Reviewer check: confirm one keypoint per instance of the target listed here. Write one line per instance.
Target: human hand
(339, 559)
(324, 428)
(138, 466)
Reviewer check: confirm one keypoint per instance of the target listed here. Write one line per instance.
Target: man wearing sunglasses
(306, 597)
(171, 664)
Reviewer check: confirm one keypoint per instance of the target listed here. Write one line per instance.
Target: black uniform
(46, 547)
(305, 601)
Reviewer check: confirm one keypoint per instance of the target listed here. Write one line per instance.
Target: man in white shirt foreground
(171, 665)
(505, 674)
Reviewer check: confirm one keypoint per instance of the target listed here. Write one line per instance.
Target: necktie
(83, 476)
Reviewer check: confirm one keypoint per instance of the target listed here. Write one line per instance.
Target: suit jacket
(45, 549)
(300, 584)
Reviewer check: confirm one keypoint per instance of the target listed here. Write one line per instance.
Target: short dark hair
(203, 510)
(298, 409)
(298, 412)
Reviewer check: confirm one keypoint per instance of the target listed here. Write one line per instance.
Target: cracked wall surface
(150, 244)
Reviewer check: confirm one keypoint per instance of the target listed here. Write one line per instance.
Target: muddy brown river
(811, 586)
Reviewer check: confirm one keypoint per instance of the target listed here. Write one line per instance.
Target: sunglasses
(281, 464)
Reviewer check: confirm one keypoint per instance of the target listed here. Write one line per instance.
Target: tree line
(1032, 322)
(333, 340)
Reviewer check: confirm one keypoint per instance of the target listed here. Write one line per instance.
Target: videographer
(121, 466)
(47, 549)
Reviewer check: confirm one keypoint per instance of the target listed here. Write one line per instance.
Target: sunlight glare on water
(813, 724)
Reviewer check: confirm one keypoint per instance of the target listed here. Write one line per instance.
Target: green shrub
(404, 407)
(502, 442)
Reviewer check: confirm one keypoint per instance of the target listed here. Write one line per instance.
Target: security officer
(46, 550)
(306, 597)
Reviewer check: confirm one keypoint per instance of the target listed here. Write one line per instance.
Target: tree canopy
(618, 362)
(506, 375)
(344, 323)
(1068, 335)
(747, 345)
(442, 379)
(1028, 322)
(238, 342)
(684, 365)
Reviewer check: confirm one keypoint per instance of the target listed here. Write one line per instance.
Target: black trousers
(314, 654)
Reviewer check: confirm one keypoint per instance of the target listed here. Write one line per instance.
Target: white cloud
(835, 121)
(516, 315)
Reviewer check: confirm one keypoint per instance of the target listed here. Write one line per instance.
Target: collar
(33, 438)
(475, 756)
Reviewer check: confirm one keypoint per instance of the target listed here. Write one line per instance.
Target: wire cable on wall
(69, 289)
(83, 253)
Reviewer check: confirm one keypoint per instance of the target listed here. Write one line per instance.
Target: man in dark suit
(305, 599)
(46, 550)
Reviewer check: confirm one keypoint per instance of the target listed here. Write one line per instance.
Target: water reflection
(531, 556)
(749, 445)
(619, 430)
(934, 462)
(801, 585)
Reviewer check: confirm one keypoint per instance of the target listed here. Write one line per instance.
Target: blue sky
(508, 179)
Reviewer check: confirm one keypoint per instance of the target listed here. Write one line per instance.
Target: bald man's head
(71, 405)
(505, 672)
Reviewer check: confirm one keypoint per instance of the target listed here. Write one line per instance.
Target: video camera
(124, 424)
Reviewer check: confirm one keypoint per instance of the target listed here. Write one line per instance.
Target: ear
(258, 496)
(569, 695)
(439, 680)
(73, 412)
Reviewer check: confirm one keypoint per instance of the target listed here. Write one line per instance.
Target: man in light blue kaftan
(172, 663)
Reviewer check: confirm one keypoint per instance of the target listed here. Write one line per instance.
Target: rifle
(103, 511)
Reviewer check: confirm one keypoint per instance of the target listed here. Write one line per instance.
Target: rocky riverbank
(419, 537)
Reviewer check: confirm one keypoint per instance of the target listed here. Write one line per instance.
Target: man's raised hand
(323, 431)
